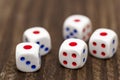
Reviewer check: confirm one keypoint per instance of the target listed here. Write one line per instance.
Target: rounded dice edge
(67, 50)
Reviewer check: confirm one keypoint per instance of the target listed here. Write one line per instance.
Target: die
(27, 57)
(73, 53)
(103, 43)
(40, 36)
(77, 26)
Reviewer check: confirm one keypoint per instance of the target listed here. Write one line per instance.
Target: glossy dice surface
(77, 26)
(103, 43)
(27, 57)
(73, 53)
(39, 36)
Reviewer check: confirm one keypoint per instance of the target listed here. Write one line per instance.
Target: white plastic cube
(73, 53)
(103, 43)
(27, 57)
(40, 36)
(77, 26)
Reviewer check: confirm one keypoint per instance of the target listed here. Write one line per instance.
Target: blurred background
(18, 15)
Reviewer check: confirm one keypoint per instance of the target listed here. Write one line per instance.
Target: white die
(77, 26)
(103, 43)
(40, 36)
(73, 53)
(27, 57)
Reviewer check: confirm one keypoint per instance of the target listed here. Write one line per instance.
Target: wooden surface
(18, 15)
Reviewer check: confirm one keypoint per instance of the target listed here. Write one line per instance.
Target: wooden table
(18, 15)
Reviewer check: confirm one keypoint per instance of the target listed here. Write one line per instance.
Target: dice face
(73, 53)
(103, 43)
(40, 36)
(27, 57)
(77, 26)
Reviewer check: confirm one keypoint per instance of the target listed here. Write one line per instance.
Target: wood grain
(18, 15)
